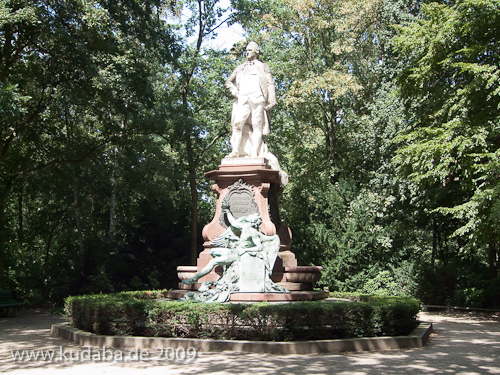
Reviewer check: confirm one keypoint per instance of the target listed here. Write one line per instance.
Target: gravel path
(460, 345)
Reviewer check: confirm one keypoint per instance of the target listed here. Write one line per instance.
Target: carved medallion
(240, 200)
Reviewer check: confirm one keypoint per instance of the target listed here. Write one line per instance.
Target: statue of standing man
(252, 86)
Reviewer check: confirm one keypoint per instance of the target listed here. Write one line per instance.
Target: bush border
(143, 314)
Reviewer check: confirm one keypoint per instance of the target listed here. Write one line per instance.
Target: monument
(247, 254)
(247, 257)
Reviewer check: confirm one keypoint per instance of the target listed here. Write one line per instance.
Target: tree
(334, 68)
(202, 108)
(316, 51)
(59, 104)
(450, 143)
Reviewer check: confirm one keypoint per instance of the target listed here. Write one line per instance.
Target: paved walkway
(460, 345)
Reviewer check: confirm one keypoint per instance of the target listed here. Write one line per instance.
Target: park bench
(6, 302)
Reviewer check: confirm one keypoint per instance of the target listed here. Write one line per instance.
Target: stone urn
(303, 274)
(186, 272)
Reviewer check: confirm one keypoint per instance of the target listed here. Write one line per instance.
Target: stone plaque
(252, 274)
(240, 200)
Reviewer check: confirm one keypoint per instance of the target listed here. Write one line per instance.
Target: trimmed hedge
(139, 313)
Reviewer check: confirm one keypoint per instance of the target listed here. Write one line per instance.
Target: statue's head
(253, 51)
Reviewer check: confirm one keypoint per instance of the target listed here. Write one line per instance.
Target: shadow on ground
(460, 345)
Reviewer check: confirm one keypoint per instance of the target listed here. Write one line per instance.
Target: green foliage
(387, 121)
(344, 203)
(78, 99)
(387, 283)
(199, 106)
(447, 147)
(121, 314)
(313, 50)
(354, 239)
(149, 243)
(461, 282)
(451, 83)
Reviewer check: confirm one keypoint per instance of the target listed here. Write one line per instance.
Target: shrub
(467, 283)
(138, 313)
(115, 314)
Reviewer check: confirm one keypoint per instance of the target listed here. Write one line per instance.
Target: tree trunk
(3, 239)
(114, 187)
(204, 15)
(2, 242)
(49, 243)
(194, 221)
(493, 259)
(434, 243)
(333, 134)
(78, 221)
(330, 131)
(112, 201)
(20, 219)
(193, 253)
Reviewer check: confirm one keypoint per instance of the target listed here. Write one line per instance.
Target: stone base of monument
(250, 185)
(299, 278)
(304, 295)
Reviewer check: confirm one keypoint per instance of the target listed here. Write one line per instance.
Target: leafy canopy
(451, 83)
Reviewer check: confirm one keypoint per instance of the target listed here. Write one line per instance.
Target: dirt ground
(461, 344)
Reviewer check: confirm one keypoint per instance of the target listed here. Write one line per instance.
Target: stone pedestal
(249, 185)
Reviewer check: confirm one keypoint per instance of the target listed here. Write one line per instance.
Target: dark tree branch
(220, 135)
(63, 161)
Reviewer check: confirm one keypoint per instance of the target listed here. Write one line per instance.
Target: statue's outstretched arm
(232, 221)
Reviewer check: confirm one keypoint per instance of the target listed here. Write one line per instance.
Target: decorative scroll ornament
(240, 200)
